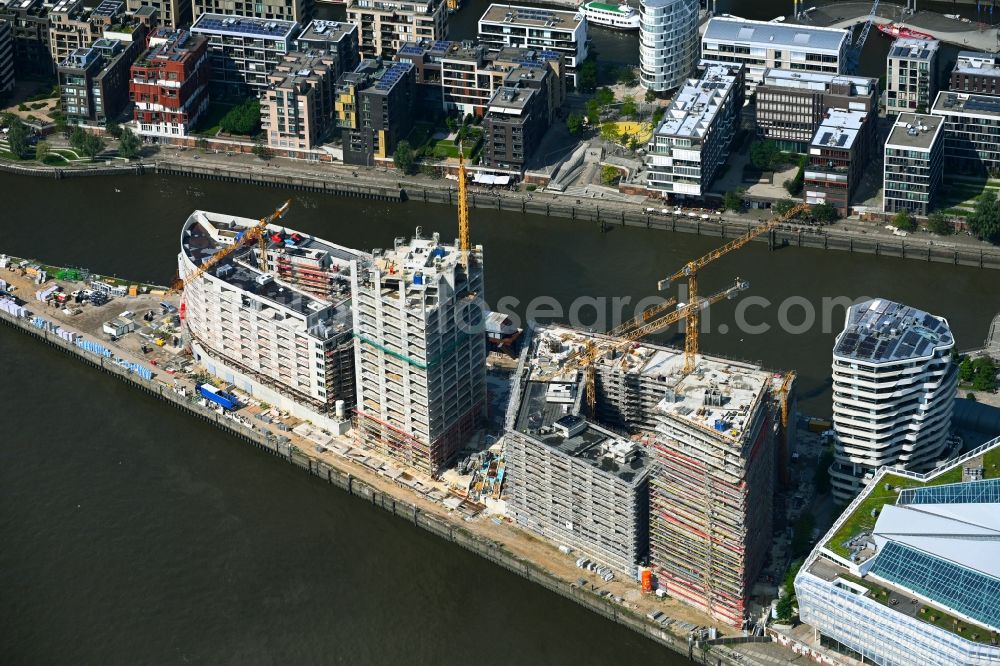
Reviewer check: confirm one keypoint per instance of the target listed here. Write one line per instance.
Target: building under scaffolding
(707, 442)
(421, 352)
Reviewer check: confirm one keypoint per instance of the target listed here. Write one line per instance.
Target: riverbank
(492, 539)
(598, 214)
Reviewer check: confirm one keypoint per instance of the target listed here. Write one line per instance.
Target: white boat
(618, 17)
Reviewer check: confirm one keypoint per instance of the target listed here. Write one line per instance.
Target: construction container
(647, 581)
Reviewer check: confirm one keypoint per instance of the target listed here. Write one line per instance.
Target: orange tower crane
(690, 271)
(465, 244)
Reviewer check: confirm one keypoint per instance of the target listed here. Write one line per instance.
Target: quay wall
(449, 529)
(602, 216)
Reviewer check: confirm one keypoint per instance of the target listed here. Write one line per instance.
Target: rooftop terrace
(696, 104)
(982, 106)
(531, 16)
(243, 26)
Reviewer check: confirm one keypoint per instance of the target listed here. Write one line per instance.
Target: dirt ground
(26, 89)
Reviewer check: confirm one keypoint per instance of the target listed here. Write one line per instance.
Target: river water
(132, 533)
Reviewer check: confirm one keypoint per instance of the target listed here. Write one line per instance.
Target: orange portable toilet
(647, 581)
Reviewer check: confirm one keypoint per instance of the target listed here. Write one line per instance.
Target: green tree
(794, 186)
(586, 74)
(985, 374)
(129, 145)
(604, 96)
(821, 477)
(593, 112)
(732, 201)
(904, 221)
(938, 223)
(626, 76)
(965, 370)
(92, 146)
(629, 109)
(650, 96)
(984, 222)
(802, 535)
(262, 150)
(243, 119)
(77, 138)
(574, 123)
(114, 129)
(783, 206)
(610, 132)
(17, 139)
(41, 150)
(610, 175)
(403, 158)
(658, 115)
(765, 155)
(824, 213)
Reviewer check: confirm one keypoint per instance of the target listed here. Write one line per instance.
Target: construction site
(637, 454)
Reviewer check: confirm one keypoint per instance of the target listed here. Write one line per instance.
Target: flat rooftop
(883, 331)
(696, 104)
(205, 233)
(974, 62)
(531, 16)
(328, 32)
(719, 395)
(587, 442)
(913, 130)
(509, 100)
(982, 106)
(839, 129)
(775, 35)
(911, 48)
(786, 78)
(375, 76)
(243, 26)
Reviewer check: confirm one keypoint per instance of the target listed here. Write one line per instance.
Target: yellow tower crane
(256, 232)
(690, 271)
(465, 244)
(640, 327)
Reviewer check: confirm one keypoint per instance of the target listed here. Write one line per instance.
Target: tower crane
(586, 357)
(690, 271)
(255, 232)
(465, 244)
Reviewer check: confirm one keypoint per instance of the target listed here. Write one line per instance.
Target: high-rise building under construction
(420, 350)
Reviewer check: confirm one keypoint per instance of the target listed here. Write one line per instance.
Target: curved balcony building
(893, 391)
(668, 42)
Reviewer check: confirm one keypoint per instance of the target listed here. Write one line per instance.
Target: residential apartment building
(694, 137)
(911, 75)
(69, 29)
(6, 56)
(171, 14)
(517, 116)
(29, 20)
(790, 105)
(374, 109)
(296, 110)
(385, 25)
(976, 73)
(910, 576)
(293, 11)
(971, 131)
(712, 486)
(761, 45)
(564, 32)
(914, 158)
(571, 480)
(281, 330)
(668, 42)
(339, 40)
(711, 446)
(463, 76)
(421, 351)
(243, 52)
(838, 156)
(893, 390)
(169, 84)
(94, 81)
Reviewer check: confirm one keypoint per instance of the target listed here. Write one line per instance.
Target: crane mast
(465, 244)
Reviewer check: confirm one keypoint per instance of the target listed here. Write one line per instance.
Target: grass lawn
(863, 521)
(419, 135)
(209, 124)
(55, 159)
